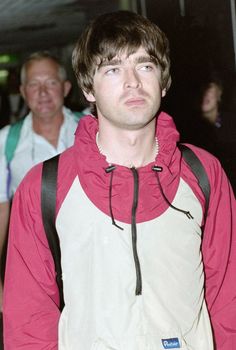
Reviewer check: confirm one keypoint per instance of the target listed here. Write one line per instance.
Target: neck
(48, 128)
(128, 149)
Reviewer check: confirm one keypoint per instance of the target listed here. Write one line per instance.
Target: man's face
(210, 99)
(43, 89)
(127, 90)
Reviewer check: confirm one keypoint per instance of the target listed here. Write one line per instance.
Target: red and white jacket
(138, 272)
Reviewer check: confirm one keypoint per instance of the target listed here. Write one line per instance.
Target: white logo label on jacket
(171, 343)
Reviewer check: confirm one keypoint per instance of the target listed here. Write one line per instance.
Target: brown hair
(114, 33)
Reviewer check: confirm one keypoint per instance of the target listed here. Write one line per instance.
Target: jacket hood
(91, 166)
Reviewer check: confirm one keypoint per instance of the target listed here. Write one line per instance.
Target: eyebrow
(118, 61)
(144, 59)
(113, 62)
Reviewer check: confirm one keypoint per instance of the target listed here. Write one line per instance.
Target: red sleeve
(219, 256)
(30, 305)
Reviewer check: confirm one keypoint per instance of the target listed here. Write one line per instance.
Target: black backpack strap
(199, 171)
(48, 208)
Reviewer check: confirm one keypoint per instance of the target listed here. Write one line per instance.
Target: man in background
(46, 131)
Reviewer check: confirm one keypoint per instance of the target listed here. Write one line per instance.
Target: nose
(132, 79)
(42, 89)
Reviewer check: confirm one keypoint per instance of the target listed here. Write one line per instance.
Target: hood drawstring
(109, 170)
(157, 170)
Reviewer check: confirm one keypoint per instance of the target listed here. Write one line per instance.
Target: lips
(44, 103)
(135, 101)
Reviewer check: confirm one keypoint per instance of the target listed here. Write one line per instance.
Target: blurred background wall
(201, 38)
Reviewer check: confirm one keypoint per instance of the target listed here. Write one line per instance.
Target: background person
(46, 131)
(138, 271)
(213, 127)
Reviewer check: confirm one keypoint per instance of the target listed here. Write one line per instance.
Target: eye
(52, 82)
(146, 67)
(32, 84)
(112, 70)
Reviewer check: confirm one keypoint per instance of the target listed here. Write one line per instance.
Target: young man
(46, 131)
(138, 272)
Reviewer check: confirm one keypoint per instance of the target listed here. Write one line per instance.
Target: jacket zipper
(138, 290)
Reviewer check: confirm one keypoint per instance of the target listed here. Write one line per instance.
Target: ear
(89, 96)
(67, 87)
(22, 91)
(163, 93)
